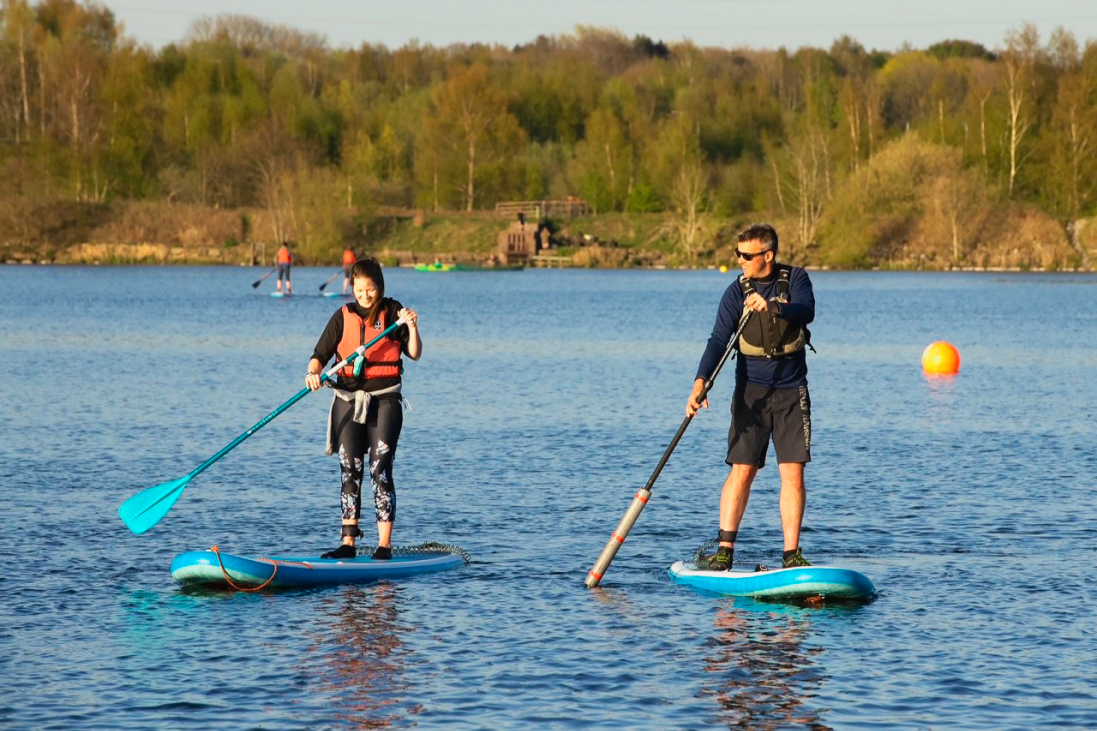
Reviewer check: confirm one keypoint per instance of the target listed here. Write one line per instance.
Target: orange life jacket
(382, 359)
(284, 257)
(348, 258)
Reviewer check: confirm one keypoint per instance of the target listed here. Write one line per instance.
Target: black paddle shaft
(259, 281)
(328, 280)
(594, 576)
(732, 346)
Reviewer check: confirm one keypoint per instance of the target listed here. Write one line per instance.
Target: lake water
(542, 402)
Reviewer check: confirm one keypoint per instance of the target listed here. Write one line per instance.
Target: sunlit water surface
(542, 401)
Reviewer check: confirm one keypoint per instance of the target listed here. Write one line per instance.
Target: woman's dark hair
(370, 268)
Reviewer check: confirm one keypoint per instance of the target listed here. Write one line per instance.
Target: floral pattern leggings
(375, 442)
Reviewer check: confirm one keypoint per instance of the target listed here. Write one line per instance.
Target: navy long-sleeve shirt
(787, 372)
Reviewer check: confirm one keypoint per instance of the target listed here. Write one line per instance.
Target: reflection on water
(362, 656)
(760, 671)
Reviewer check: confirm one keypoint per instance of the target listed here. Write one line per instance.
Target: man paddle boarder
(771, 398)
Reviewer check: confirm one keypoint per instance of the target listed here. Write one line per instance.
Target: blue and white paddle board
(202, 568)
(793, 583)
(335, 294)
(278, 294)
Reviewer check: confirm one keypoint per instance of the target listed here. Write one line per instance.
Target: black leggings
(375, 439)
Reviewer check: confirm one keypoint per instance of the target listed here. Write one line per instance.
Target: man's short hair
(763, 233)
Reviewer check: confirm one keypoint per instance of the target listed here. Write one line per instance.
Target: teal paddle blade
(146, 508)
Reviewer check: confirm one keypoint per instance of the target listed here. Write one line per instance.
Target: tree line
(246, 114)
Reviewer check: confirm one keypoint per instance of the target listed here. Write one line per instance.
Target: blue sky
(879, 24)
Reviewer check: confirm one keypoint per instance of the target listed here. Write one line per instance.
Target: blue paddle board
(202, 568)
(794, 583)
(335, 294)
(278, 294)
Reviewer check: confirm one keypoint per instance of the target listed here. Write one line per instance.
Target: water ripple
(968, 501)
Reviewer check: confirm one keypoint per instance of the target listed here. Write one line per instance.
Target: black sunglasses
(748, 257)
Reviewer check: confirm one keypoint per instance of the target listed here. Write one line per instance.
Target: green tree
(124, 158)
(682, 169)
(959, 49)
(75, 46)
(907, 86)
(472, 116)
(912, 195)
(18, 20)
(1071, 178)
(603, 162)
(1020, 56)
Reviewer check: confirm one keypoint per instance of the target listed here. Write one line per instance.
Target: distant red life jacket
(284, 257)
(348, 258)
(382, 359)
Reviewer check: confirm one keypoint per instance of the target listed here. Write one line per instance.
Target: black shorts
(759, 413)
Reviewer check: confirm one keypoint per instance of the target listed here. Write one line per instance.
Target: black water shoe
(722, 560)
(344, 551)
(793, 559)
(383, 553)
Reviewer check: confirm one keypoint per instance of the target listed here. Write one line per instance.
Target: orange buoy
(941, 358)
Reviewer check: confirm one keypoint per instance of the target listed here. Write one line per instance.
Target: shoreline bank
(656, 267)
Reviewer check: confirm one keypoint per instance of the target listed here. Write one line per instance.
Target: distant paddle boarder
(771, 398)
(283, 260)
(348, 264)
(366, 410)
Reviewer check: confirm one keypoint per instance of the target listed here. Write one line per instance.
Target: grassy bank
(1010, 237)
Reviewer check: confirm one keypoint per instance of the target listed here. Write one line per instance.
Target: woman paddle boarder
(366, 411)
(348, 264)
(283, 261)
